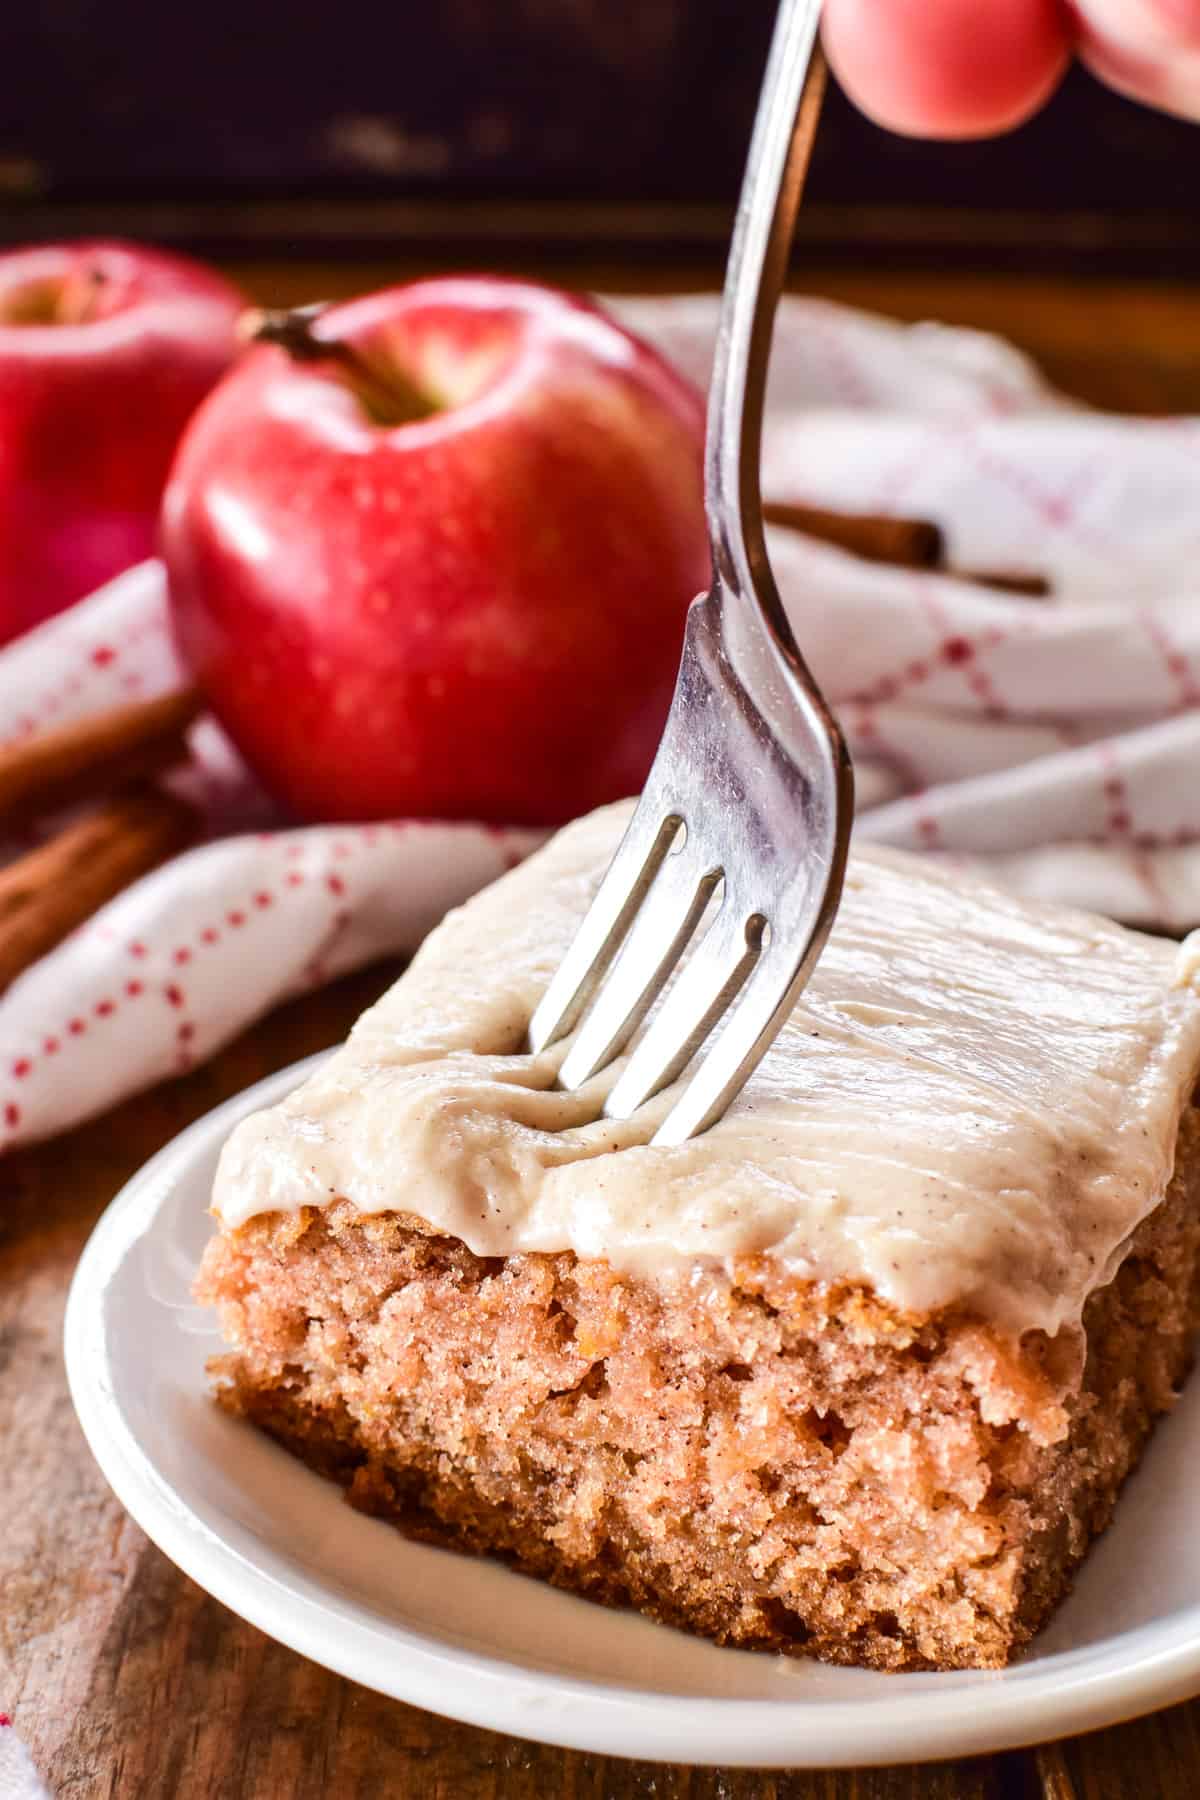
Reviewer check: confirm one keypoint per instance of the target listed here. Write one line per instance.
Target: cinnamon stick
(94, 755)
(877, 537)
(46, 894)
(1014, 581)
(905, 543)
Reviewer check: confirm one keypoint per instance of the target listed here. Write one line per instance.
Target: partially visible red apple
(434, 560)
(105, 351)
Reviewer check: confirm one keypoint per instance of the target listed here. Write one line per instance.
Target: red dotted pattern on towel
(259, 904)
(1118, 823)
(1177, 665)
(47, 707)
(1063, 507)
(510, 856)
(1147, 874)
(862, 722)
(1060, 507)
(949, 649)
(173, 993)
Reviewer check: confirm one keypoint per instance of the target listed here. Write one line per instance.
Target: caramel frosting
(974, 1104)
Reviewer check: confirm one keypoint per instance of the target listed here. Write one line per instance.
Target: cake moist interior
(768, 1463)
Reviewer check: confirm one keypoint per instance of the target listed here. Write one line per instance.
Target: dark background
(569, 124)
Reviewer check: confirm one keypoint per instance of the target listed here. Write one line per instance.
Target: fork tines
(641, 922)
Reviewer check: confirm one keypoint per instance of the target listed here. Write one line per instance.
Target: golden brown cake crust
(766, 1462)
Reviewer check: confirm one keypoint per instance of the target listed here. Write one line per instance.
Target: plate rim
(567, 1710)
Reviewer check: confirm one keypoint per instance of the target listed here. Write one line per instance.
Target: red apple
(105, 351)
(434, 560)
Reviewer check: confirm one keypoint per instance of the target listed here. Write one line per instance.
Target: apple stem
(387, 400)
(71, 300)
(78, 296)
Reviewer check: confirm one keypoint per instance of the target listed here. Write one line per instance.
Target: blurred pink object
(105, 351)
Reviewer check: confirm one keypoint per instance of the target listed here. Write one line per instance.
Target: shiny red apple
(105, 351)
(432, 558)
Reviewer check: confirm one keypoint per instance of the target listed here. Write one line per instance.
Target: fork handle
(780, 150)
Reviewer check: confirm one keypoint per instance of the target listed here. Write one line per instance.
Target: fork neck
(780, 150)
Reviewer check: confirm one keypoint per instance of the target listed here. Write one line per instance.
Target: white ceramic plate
(463, 1637)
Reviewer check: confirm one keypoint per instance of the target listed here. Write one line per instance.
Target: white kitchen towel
(1056, 742)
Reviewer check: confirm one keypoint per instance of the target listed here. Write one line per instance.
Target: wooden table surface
(123, 1677)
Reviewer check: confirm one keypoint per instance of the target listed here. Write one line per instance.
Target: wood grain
(128, 1682)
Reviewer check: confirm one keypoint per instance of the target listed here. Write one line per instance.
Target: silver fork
(751, 790)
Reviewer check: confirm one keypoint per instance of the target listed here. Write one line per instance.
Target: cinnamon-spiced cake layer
(858, 1373)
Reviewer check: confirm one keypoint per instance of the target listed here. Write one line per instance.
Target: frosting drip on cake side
(974, 1103)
